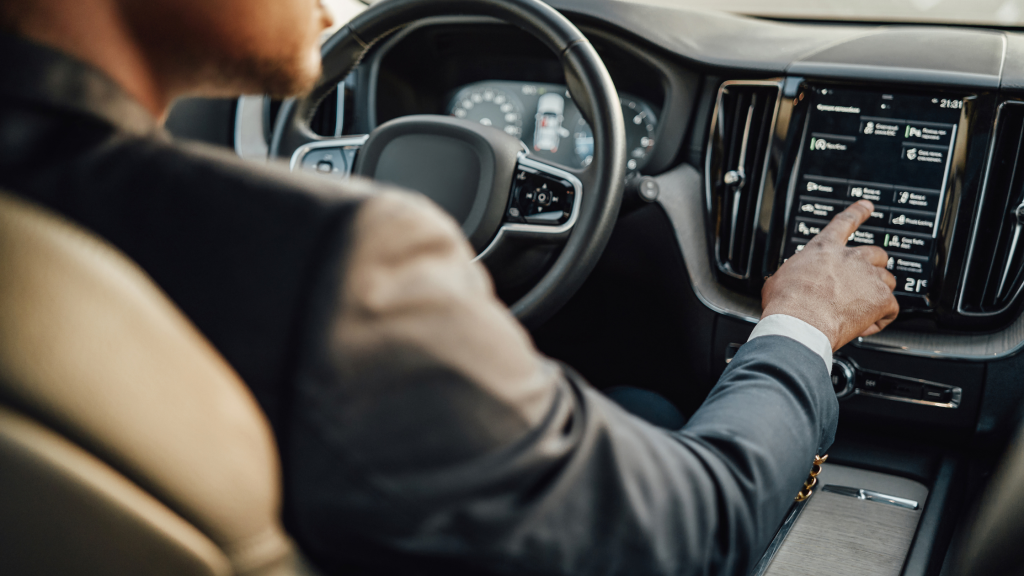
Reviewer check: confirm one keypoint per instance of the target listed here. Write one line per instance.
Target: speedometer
(546, 119)
(640, 127)
(491, 107)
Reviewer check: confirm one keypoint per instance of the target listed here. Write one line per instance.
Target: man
(420, 429)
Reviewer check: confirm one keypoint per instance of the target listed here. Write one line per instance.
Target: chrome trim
(345, 142)
(945, 180)
(791, 189)
(871, 496)
(1011, 252)
(977, 221)
(849, 372)
(954, 402)
(531, 164)
(956, 391)
(250, 139)
(764, 171)
(780, 537)
(339, 115)
(680, 209)
(730, 352)
(722, 310)
(737, 192)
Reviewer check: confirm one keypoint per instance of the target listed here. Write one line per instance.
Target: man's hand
(844, 292)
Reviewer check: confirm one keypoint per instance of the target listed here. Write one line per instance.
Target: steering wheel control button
(843, 377)
(333, 162)
(540, 199)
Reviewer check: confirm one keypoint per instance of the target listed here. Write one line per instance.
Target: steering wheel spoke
(544, 204)
(544, 197)
(335, 157)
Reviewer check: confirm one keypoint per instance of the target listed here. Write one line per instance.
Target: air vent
(995, 259)
(736, 166)
(334, 115)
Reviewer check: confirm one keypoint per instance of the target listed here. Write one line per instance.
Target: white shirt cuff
(797, 329)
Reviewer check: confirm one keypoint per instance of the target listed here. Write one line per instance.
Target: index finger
(846, 222)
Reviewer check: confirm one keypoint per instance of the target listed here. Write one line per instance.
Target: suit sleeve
(428, 434)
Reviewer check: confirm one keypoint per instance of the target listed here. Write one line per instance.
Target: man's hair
(12, 12)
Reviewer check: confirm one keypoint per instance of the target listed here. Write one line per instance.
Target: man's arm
(426, 423)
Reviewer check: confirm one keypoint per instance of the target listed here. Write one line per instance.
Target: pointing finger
(846, 222)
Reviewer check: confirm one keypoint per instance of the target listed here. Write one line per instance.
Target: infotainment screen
(890, 148)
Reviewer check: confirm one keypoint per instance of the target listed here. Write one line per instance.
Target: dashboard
(785, 123)
(550, 125)
(754, 133)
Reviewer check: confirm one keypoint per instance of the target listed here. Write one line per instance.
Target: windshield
(983, 12)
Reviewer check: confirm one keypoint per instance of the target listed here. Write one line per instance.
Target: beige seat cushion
(92, 348)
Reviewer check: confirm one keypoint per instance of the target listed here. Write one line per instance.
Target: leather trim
(66, 512)
(90, 346)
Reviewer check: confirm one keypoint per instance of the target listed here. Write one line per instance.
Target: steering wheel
(505, 199)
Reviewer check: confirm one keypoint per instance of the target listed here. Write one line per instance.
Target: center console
(944, 169)
(785, 156)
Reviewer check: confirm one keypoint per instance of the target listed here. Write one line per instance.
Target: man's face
(228, 47)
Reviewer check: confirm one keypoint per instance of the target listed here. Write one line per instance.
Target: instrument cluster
(547, 121)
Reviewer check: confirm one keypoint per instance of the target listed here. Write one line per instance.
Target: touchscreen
(892, 149)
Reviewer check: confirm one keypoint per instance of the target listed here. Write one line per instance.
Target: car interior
(630, 200)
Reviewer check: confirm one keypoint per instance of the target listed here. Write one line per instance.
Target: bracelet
(812, 479)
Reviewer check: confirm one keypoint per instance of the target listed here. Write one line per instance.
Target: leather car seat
(127, 444)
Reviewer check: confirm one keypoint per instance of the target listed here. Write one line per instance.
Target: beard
(279, 78)
(196, 49)
(281, 75)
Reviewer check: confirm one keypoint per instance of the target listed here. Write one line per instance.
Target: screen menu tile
(892, 149)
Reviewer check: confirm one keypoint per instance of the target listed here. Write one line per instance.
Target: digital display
(548, 122)
(892, 149)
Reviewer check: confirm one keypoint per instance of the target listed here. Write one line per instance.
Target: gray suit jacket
(426, 423)
(420, 429)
